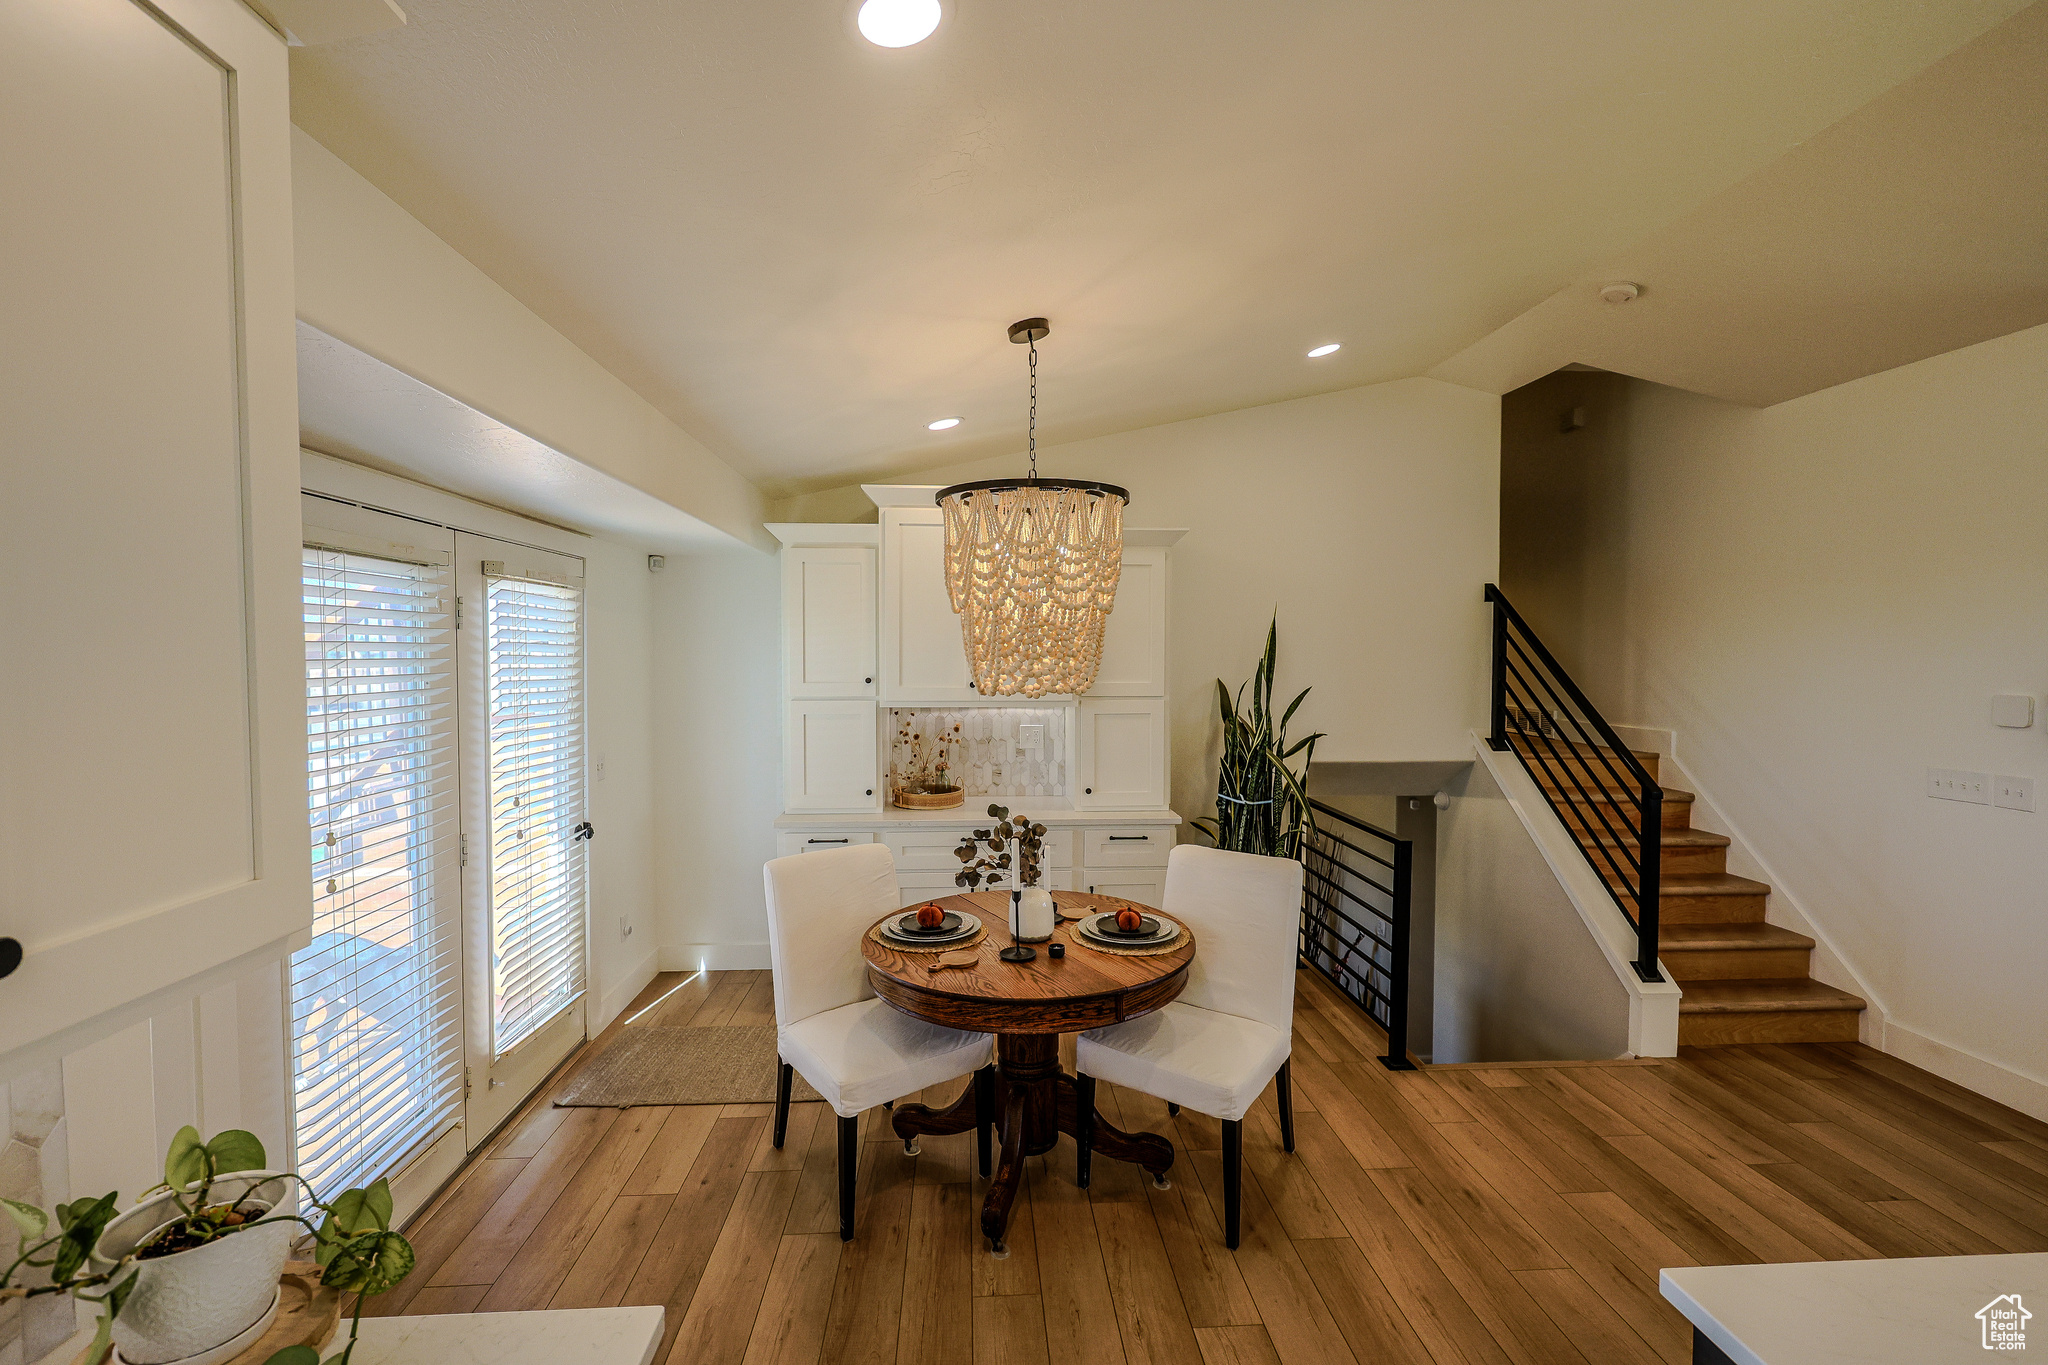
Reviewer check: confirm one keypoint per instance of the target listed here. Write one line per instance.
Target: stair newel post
(1397, 966)
(1498, 741)
(1650, 880)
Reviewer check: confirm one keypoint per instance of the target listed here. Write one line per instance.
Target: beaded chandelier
(1032, 567)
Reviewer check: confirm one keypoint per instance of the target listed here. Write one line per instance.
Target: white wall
(1821, 599)
(1367, 517)
(372, 275)
(717, 754)
(1517, 975)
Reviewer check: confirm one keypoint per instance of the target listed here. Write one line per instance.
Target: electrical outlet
(2012, 793)
(1954, 784)
(1031, 739)
(597, 769)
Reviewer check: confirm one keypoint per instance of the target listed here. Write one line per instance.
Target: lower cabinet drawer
(1132, 847)
(926, 850)
(1145, 885)
(816, 840)
(928, 884)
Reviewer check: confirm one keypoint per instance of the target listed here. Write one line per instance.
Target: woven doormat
(727, 1064)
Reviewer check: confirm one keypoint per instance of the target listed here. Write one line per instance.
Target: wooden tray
(307, 1315)
(931, 800)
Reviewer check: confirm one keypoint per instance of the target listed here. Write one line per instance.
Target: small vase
(1031, 914)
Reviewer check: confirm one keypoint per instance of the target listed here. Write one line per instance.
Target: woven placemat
(1153, 950)
(980, 929)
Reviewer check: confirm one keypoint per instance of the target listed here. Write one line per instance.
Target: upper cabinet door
(923, 655)
(153, 819)
(1134, 643)
(828, 621)
(1120, 754)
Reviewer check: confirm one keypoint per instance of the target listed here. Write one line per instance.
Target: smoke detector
(1621, 291)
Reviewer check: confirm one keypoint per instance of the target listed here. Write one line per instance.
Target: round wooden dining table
(1028, 1005)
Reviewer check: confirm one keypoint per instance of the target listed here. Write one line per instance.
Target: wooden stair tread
(1603, 796)
(1758, 997)
(1707, 938)
(1712, 884)
(1668, 838)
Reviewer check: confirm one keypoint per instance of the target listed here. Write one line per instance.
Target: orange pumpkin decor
(1129, 920)
(930, 915)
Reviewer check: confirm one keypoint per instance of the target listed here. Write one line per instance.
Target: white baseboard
(631, 984)
(2028, 1094)
(714, 957)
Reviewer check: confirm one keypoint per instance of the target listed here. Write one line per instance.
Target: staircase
(1745, 981)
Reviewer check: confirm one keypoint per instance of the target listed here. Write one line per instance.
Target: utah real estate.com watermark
(2005, 1323)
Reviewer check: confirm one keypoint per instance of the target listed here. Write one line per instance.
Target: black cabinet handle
(1130, 838)
(867, 680)
(1087, 791)
(824, 841)
(871, 791)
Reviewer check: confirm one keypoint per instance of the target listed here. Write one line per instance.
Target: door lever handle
(586, 830)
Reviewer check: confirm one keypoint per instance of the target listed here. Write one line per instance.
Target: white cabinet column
(1120, 754)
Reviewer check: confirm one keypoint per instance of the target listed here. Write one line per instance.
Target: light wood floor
(1459, 1214)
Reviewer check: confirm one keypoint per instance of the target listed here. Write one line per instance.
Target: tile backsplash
(992, 759)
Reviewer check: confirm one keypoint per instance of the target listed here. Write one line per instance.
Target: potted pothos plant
(190, 1273)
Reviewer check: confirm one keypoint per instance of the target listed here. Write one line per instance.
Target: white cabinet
(828, 620)
(1120, 754)
(829, 756)
(923, 656)
(795, 841)
(152, 673)
(1145, 885)
(1134, 641)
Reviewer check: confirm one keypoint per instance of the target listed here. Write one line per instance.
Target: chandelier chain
(1034, 411)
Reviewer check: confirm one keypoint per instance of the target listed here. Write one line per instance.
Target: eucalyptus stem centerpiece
(986, 856)
(1261, 802)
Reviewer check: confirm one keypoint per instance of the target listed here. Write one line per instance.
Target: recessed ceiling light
(944, 423)
(1326, 350)
(898, 23)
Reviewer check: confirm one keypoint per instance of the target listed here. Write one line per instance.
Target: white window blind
(376, 1008)
(534, 676)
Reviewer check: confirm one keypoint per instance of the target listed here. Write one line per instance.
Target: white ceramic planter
(185, 1305)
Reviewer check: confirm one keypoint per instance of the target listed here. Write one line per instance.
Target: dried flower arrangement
(996, 864)
(923, 762)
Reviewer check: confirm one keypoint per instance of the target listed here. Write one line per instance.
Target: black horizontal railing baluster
(1571, 743)
(1364, 955)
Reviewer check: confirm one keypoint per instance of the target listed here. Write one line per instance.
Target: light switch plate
(1954, 784)
(2012, 710)
(2013, 793)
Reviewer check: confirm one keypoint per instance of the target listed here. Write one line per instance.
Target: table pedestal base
(1035, 1101)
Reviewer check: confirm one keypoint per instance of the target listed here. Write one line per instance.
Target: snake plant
(1261, 802)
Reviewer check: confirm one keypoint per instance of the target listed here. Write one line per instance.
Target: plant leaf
(236, 1149)
(31, 1221)
(369, 1264)
(185, 1162)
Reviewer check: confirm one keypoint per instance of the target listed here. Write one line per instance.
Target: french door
(523, 818)
(445, 791)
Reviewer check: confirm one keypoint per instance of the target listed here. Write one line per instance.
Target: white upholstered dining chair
(1231, 1030)
(855, 1049)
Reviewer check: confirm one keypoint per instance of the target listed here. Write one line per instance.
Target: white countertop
(974, 811)
(1914, 1311)
(559, 1336)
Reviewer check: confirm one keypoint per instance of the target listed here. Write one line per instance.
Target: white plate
(969, 926)
(1168, 932)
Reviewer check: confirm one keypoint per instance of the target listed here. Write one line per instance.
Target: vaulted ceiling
(804, 248)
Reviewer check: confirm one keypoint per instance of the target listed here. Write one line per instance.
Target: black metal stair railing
(1601, 791)
(1355, 906)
